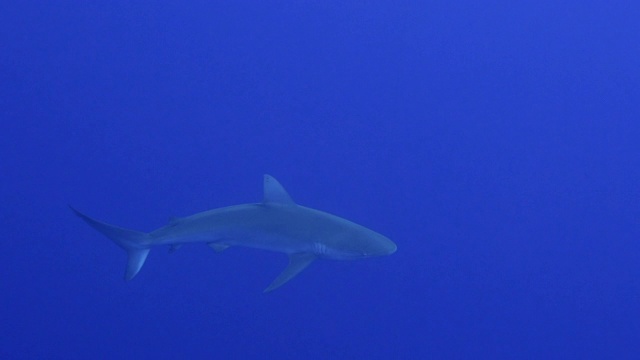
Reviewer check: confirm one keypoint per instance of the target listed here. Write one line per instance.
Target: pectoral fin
(297, 263)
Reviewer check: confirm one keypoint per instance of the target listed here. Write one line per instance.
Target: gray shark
(276, 224)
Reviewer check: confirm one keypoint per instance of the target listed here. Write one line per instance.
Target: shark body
(276, 224)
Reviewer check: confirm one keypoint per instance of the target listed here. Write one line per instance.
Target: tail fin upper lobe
(135, 243)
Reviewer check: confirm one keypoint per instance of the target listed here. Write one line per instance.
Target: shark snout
(383, 246)
(392, 248)
(389, 247)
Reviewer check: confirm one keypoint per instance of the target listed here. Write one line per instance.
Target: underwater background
(497, 143)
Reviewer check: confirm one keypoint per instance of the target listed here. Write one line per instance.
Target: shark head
(369, 244)
(358, 243)
(336, 238)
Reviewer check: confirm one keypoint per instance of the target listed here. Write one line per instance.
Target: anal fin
(297, 263)
(218, 247)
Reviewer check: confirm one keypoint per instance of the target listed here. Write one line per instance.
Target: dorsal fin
(274, 193)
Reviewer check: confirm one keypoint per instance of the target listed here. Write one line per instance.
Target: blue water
(496, 142)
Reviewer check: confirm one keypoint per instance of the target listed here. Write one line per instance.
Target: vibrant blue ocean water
(496, 142)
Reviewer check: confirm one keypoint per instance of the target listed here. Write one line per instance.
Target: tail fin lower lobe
(135, 243)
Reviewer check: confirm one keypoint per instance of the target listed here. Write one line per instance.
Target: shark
(276, 224)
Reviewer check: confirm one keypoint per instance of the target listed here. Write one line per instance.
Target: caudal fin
(135, 243)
